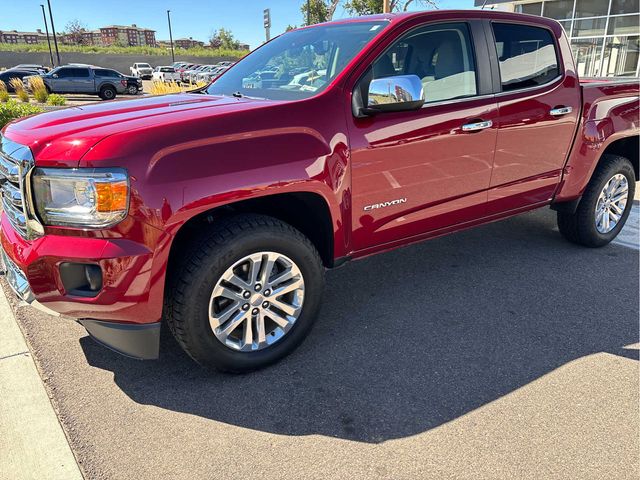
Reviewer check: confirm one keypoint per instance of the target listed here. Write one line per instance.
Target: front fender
(181, 170)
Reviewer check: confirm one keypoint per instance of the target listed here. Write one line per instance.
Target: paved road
(500, 352)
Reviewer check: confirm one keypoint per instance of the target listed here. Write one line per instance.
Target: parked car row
(21, 71)
(194, 73)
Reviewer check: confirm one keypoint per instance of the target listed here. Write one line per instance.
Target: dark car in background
(32, 66)
(86, 79)
(7, 75)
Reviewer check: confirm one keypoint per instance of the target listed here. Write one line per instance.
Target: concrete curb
(32, 442)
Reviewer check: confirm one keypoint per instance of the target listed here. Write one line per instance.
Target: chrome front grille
(16, 163)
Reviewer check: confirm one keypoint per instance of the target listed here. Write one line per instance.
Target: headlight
(81, 197)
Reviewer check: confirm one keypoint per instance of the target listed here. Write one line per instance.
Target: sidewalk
(32, 443)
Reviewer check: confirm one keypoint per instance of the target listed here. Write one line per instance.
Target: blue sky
(195, 19)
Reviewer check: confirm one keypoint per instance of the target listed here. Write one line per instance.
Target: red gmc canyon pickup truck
(218, 210)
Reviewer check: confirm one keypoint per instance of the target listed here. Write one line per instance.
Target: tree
(74, 30)
(319, 11)
(223, 38)
(370, 7)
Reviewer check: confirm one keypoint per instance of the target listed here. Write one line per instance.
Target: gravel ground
(499, 352)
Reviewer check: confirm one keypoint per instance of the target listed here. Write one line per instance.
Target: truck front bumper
(116, 317)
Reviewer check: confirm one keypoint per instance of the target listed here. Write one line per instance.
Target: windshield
(144, 65)
(298, 64)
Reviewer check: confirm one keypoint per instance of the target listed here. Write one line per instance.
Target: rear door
(539, 103)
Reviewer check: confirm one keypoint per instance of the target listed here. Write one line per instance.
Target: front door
(420, 171)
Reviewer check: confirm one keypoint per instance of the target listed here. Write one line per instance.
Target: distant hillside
(90, 49)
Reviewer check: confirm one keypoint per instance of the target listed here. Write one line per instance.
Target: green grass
(198, 51)
(57, 100)
(12, 110)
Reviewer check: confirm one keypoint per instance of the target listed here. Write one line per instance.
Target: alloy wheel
(611, 203)
(256, 301)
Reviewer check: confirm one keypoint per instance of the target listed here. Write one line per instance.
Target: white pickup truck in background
(165, 74)
(142, 70)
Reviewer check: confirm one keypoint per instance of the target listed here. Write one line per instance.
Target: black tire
(580, 227)
(196, 272)
(107, 92)
(132, 90)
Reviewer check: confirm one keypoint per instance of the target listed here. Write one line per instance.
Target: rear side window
(107, 73)
(527, 56)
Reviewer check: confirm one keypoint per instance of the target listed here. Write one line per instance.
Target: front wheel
(605, 205)
(132, 90)
(245, 294)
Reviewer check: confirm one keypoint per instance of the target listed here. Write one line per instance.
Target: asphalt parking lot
(499, 352)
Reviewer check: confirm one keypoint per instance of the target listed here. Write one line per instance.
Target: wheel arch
(628, 147)
(306, 211)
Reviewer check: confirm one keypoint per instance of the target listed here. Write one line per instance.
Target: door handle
(476, 127)
(559, 111)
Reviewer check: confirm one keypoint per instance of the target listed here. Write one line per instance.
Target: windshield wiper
(242, 95)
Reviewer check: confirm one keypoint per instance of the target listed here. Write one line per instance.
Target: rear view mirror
(394, 94)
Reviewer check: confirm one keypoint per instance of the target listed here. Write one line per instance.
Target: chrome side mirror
(394, 94)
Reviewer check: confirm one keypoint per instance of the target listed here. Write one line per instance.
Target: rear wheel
(246, 294)
(605, 205)
(132, 90)
(107, 92)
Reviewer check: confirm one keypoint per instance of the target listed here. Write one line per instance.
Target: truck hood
(63, 137)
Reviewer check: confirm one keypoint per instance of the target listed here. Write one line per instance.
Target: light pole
(386, 6)
(173, 55)
(46, 29)
(308, 12)
(53, 30)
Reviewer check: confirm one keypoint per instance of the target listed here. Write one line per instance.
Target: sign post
(267, 23)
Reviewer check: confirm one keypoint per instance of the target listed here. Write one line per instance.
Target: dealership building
(605, 34)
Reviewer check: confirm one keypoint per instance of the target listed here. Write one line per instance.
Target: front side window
(527, 56)
(441, 55)
(78, 72)
(298, 64)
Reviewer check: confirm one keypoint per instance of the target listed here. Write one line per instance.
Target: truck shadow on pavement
(418, 337)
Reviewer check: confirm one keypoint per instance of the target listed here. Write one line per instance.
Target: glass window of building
(587, 54)
(530, 8)
(560, 9)
(620, 57)
(603, 33)
(627, 25)
(590, 27)
(591, 8)
(620, 7)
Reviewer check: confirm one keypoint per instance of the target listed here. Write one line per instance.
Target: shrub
(162, 88)
(56, 100)
(38, 89)
(4, 94)
(21, 92)
(12, 110)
